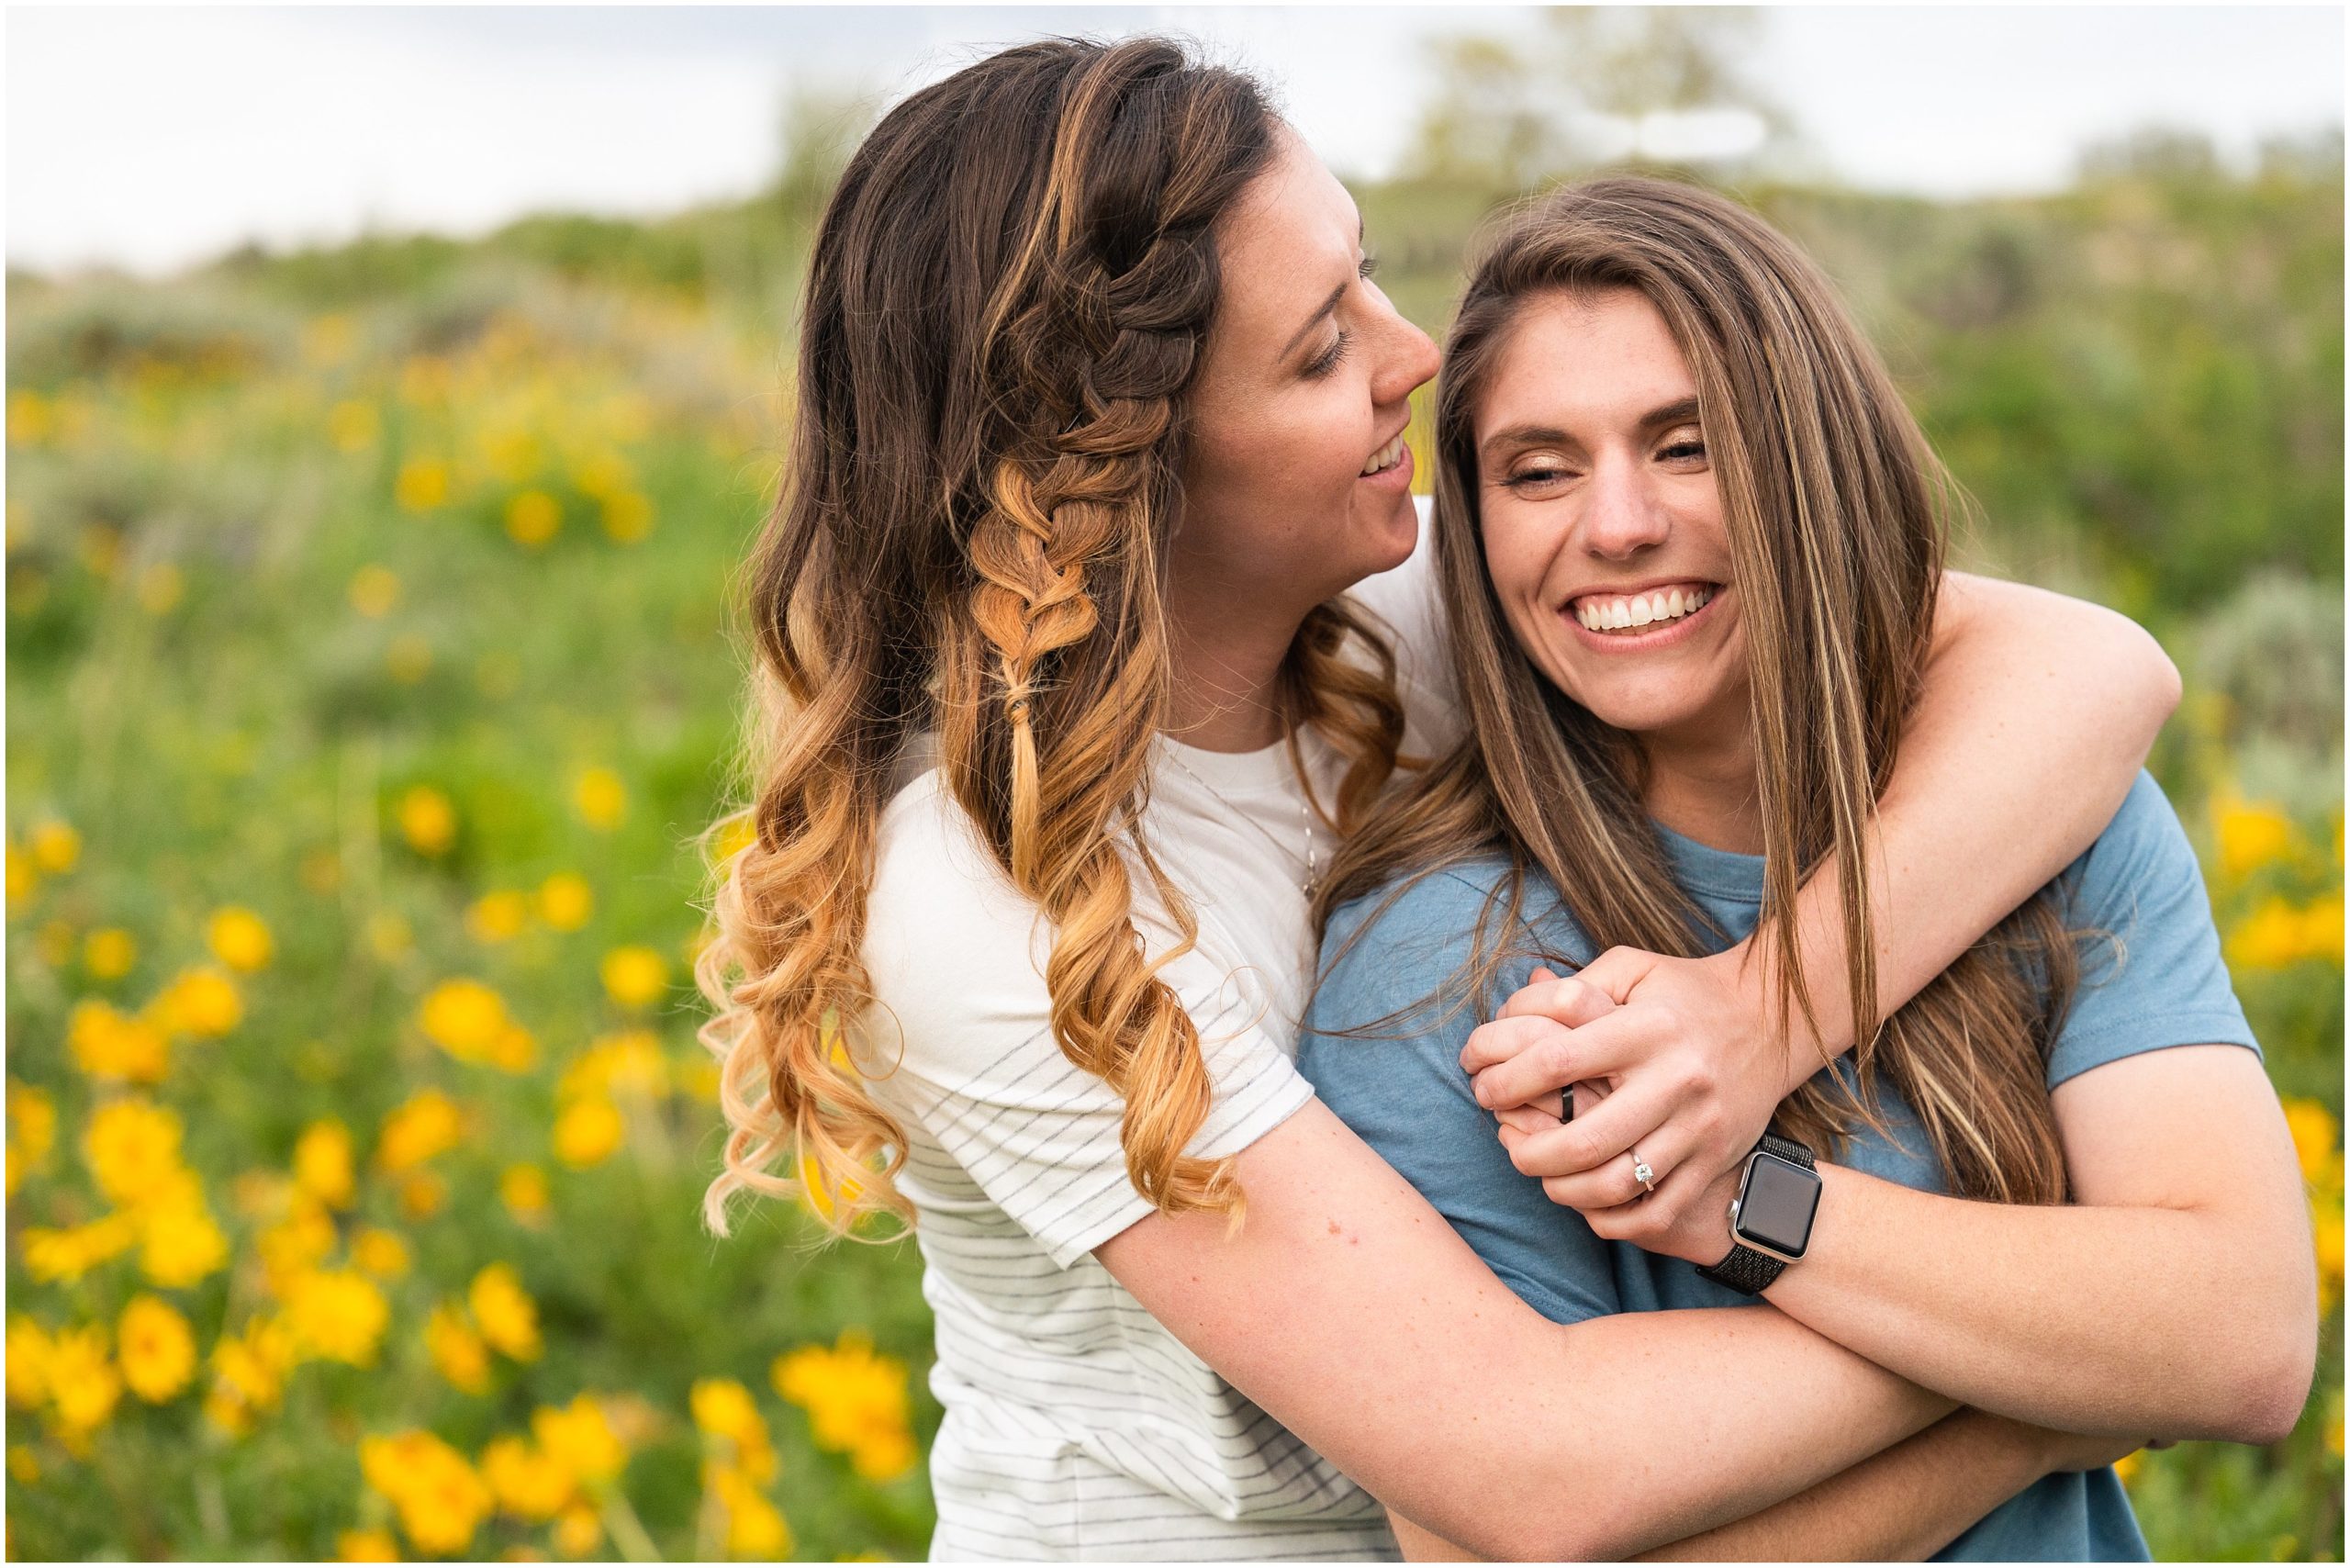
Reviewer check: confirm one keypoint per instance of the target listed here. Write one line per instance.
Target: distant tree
(1595, 85)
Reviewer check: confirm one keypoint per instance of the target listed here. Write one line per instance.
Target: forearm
(2084, 1318)
(2035, 715)
(1678, 1421)
(1903, 1505)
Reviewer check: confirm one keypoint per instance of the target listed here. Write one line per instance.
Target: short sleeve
(2159, 981)
(960, 1039)
(1409, 1098)
(1410, 601)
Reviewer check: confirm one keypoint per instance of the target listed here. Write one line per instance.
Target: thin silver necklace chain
(1304, 810)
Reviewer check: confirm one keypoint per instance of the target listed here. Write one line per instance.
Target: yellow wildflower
(532, 517)
(112, 1046)
(200, 999)
(323, 1162)
(523, 1190)
(352, 425)
(516, 1050)
(27, 1362)
(566, 901)
(24, 1468)
(181, 1242)
(83, 1384)
(428, 820)
(856, 1401)
(427, 1124)
(587, 1132)
(109, 952)
(439, 1498)
(157, 1347)
(2315, 1130)
(635, 976)
(628, 516)
(513, 454)
(576, 1531)
(295, 1243)
(422, 1194)
(580, 1438)
(132, 1147)
(498, 915)
(67, 1254)
(2267, 938)
(464, 1017)
(530, 1483)
(628, 1062)
(2250, 834)
(509, 1319)
(2126, 1467)
(422, 485)
(28, 417)
(380, 1253)
(55, 846)
(2321, 929)
(329, 340)
(24, 880)
(32, 1122)
(754, 1528)
(367, 1546)
(338, 1313)
(600, 798)
(239, 938)
(248, 1374)
(456, 1350)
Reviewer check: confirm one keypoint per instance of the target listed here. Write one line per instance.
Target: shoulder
(2152, 974)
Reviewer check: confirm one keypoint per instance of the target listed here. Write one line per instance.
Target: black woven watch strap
(1744, 1269)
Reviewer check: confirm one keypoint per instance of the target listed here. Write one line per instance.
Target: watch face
(1776, 1206)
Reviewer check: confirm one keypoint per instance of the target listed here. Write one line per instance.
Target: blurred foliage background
(370, 674)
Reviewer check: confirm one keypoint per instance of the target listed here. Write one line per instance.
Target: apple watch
(1770, 1220)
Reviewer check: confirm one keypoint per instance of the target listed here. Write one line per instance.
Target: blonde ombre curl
(971, 539)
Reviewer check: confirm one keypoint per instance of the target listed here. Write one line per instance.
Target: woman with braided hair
(1089, 623)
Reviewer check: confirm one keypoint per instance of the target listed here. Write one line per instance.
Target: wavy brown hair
(1008, 295)
(1836, 511)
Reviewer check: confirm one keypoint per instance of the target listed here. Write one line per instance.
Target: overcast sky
(151, 137)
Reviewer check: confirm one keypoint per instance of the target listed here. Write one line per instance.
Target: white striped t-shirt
(1076, 1426)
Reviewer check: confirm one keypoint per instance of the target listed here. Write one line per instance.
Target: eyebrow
(1329, 305)
(1679, 412)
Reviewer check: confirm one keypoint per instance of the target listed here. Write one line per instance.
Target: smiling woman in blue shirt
(1690, 543)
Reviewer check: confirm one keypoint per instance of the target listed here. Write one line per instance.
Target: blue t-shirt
(1409, 1098)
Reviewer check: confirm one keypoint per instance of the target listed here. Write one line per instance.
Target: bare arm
(1903, 1505)
(2177, 1295)
(1350, 1310)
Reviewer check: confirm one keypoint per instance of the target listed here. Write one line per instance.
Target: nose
(1410, 361)
(1623, 515)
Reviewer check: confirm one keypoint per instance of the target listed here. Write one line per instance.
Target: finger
(1527, 1119)
(1651, 1219)
(1569, 1002)
(1613, 1127)
(1614, 1183)
(1503, 1038)
(1618, 970)
(1604, 1048)
(1542, 972)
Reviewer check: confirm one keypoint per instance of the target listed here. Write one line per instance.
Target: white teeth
(1385, 458)
(1641, 609)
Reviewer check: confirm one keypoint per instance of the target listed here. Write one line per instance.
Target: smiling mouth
(1631, 614)
(1386, 457)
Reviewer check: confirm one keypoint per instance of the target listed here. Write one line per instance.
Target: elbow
(2271, 1398)
(2148, 675)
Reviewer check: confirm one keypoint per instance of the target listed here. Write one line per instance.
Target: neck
(1702, 787)
(1225, 674)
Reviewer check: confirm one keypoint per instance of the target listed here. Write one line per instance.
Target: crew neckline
(1701, 868)
(1267, 768)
